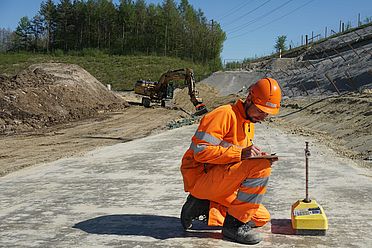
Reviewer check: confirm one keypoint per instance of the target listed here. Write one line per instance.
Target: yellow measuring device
(308, 217)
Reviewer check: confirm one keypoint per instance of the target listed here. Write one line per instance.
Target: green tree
(367, 19)
(153, 29)
(22, 39)
(48, 14)
(172, 28)
(127, 28)
(37, 31)
(80, 24)
(126, 23)
(280, 43)
(139, 25)
(106, 17)
(65, 25)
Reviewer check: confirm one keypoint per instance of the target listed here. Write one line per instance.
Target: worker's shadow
(282, 226)
(159, 227)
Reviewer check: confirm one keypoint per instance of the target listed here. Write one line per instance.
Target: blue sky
(252, 26)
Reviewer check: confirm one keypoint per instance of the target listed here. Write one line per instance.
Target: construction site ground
(131, 194)
(58, 111)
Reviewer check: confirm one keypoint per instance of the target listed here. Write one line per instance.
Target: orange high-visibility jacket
(219, 139)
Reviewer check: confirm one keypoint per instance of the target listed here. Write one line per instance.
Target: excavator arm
(194, 94)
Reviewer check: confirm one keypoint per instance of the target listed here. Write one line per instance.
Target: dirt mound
(51, 93)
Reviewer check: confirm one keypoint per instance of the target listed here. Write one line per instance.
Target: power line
(234, 9)
(244, 26)
(276, 19)
(245, 14)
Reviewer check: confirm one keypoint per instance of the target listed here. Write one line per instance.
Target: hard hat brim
(270, 111)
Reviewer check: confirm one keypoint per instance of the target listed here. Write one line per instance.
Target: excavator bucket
(200, 109)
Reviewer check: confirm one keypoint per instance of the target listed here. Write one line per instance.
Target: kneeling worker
(224, 183)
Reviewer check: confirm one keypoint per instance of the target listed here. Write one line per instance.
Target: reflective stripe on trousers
(256, 188)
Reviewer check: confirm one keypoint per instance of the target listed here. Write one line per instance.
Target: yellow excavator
(162, 90)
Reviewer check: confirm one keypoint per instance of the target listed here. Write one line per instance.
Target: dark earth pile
(51, 93)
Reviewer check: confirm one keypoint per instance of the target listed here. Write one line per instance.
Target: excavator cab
(170, 90)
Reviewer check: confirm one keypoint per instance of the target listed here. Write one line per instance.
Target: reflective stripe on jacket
(219, 139)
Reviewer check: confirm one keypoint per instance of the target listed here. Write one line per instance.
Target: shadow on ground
(282, 226)
(159, 227)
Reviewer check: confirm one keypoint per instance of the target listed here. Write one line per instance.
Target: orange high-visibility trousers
(235, 188)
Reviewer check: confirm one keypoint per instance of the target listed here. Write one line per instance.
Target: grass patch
(119, 71)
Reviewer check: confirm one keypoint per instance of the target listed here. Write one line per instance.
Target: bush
(58, 53)
(93, 52)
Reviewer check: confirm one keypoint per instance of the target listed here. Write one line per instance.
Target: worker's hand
(272, 160)
(250, 151)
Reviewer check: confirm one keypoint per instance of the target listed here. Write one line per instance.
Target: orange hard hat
(266, 95)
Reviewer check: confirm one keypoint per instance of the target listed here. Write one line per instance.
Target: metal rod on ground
(289, 84)
(281, 87)
(347, 43)
(306, 66)
(364, 51)
(339, 54)
(307, 154)
(307, 93)
(358, 34)
(311, 64)
(316, 50)
(349, 78)
(283, 72)
(332, 82)
(317, 84)
(303, 86)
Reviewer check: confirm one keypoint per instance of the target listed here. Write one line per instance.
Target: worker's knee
(257, 167)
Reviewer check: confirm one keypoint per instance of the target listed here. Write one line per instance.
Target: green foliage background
(119, 71)
(127, 28)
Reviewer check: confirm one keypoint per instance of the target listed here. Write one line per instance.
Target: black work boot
(239, 231)
(194, 208)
